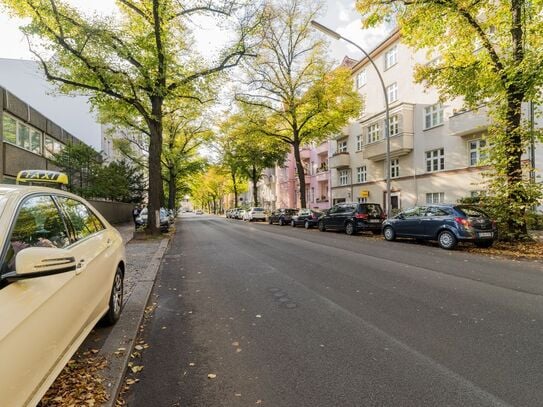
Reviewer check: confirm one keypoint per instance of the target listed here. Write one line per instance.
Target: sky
(338, 15)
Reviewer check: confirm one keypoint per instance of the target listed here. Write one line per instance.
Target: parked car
(448, 224)
(282, 216)
(306, 218)
(353, 218)
(199, 212)
(61, 271)
(229, 212)
(165, 221)
(255, 214)
(241, 214)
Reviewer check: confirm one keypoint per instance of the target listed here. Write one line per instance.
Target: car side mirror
(40, 262)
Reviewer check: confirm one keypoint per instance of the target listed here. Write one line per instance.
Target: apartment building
(435, 148)
(28, 139)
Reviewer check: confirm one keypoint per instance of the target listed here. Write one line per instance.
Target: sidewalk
(94, 374)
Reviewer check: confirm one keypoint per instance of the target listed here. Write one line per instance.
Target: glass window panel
(23, 136)
(10, 129)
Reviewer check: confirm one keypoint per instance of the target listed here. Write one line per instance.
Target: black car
(306, 218)
(282, 216)
(353, 218)
(448, 224)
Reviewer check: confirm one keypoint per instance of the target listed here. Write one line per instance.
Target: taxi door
(38, 316)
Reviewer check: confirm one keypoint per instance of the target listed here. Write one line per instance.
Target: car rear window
(371, 209)
(472, 212)
(258, 209)
(291, 211)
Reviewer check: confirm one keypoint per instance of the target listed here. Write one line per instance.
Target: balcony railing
(466, 122)
(399, 145)
(339, 160)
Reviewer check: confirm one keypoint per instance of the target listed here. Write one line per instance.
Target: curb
(123, 334)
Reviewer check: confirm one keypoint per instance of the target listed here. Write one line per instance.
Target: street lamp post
(337, 36)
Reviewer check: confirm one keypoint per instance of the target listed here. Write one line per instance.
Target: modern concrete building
(435, 148)
(73, 113)
(27, 138)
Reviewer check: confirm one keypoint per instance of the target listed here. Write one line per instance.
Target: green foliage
(88, 177)
(489, 53)
(304, 100)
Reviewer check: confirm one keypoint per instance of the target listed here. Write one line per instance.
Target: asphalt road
(288, 318)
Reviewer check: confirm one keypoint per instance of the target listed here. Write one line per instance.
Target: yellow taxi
(61, 270)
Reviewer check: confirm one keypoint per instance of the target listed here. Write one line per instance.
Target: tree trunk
(254, 179)
(515, 95)
(301, 172)
(234, 183)
(172, 190)
(155, 173)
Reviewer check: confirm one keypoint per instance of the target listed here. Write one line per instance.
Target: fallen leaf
(211, 376)
(259, 316)
(192, 364)
(235, 343)
(136, 369)
(138, 347)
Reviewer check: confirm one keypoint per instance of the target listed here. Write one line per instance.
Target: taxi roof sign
(42, 176)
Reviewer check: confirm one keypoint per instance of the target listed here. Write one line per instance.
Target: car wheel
(307, 225)
(349, 229)
(281, 223)
(322, 227)
(483, 243)
(292, 223)
(447, 240)
(389, 233)
(115, 299)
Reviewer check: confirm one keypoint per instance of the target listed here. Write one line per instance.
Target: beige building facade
(435, 148)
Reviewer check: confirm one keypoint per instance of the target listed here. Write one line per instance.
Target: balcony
(305, 153)
(401, 144)
(340, 160)
(466, 122)
(323, 176)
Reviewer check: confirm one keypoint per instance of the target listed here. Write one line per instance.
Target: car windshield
(472, 212)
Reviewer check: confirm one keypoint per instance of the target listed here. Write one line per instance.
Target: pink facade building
(317, 179)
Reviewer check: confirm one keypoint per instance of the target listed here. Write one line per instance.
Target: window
(363, 105)
(343, 177)
(361, 78)
(391, 57)
(414, 212)
(362, 200)
(342, 146)
(10, 129)
(84, 221)
(435, 197)
(51, 146)
(436, 211)
(374, 133)
(394, 125)
(361, 174)
(394, 168)
(38, 224)
(435, 160)
(477, 151)
(22, 135)
(392, 92)
(359, 142)
(433, 116)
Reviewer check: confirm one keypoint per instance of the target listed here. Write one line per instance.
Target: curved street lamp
(335, 35)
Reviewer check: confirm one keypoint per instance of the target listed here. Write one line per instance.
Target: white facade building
(435, 148)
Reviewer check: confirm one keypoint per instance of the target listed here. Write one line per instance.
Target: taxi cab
(61, 271)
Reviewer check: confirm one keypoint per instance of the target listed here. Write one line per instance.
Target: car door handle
(109, 242)
(80, 266)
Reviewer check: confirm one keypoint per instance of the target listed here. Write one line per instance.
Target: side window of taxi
(38, 224)
(83, 220)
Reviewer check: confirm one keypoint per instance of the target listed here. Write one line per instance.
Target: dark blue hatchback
(448, 224)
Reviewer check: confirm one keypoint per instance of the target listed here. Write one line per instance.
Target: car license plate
(375, 220)
(486, 234)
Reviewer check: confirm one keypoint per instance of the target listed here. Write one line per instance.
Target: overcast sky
(338, 15)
